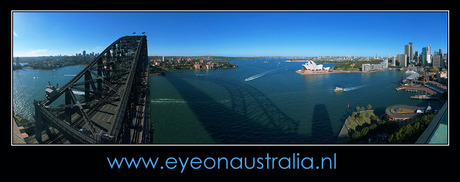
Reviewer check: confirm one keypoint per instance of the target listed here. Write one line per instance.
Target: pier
(423, 97)
(417, 88)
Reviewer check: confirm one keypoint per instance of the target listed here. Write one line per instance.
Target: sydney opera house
(311, 65)
(312, 68)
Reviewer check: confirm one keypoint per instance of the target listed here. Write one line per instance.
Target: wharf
(423, 97)
(417, 88)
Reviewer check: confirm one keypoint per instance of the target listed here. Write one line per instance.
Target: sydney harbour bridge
(114, 104)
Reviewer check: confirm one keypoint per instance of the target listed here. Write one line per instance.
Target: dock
(417, 88)
(423, 97)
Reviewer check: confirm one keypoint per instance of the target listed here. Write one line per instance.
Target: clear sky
(231, 33)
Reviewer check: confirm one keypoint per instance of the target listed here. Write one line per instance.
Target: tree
(369, 106)
(358, 108)
(353, 115)
(374, 117)
(410, 132)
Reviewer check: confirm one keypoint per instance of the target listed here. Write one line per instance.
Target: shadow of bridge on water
(252, 117)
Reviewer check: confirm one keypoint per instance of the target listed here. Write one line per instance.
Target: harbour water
(261, 101)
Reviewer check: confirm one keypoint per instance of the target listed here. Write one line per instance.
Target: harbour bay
(276, 105)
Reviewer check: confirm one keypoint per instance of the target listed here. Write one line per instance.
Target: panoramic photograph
(230, 77)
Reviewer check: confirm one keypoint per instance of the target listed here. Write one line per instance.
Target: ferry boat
(338, 89)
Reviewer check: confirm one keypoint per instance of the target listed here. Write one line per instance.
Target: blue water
(30, 84)
(265, 103)
(275, 105)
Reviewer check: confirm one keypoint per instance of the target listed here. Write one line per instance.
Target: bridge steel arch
(114, 101)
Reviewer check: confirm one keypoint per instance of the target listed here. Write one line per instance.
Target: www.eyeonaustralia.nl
(294, 161)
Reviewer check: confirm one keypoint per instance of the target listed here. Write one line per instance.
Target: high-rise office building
(442, 57)
(408, 49)
(402, 58)
(438, 59)
(411, 53)
(426, 56)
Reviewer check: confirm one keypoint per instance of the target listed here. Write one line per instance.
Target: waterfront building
(311, 65)
(368, 67)
(403, 114)
(402, 60)
(365, 67)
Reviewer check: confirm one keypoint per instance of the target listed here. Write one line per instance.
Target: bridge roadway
(103, 114)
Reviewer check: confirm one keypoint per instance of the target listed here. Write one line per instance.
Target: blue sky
(231, 33)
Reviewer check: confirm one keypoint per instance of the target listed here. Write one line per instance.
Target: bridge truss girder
(111, 80)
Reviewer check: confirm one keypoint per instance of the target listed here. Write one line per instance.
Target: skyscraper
(442, 57)
(394, 61)
(402, 60)
(426, 56)
(411, 53)
(437, 59)
(408, 49)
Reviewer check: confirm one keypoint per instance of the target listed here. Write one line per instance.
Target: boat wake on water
(260, 75)
(256, 76)
(168, 101)
(352, 88)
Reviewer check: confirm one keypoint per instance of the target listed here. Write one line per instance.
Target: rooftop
(402, 111)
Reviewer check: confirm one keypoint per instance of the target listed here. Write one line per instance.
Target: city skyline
(231, 33)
